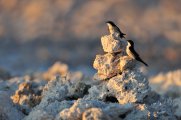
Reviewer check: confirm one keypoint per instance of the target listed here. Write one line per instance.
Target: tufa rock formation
(125, 82)
(119, 91)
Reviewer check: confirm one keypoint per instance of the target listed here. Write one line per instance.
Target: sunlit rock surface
(57, 69)
(27, 96)
(111, 45)
(167, 83)
(118, 91)
(115, 61)
(107, 65)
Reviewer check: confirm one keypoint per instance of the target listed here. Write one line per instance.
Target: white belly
(130, 54)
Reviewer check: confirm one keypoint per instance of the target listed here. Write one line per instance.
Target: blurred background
(34, 34)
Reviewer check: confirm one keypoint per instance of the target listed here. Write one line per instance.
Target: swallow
(132, 53)
(114, 30)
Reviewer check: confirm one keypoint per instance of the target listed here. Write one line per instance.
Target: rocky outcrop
(125, 82)
(57, 69)
(7, 110)
(177, 107)
(27, 96)
(119, 91)
(167, 83)
(112, 45)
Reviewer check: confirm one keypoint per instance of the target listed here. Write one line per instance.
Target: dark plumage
(132, 53)
(116, 29)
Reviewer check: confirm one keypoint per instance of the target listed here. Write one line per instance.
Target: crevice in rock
(111, 99)
(86, 90)
(72, 97)
(122, 116)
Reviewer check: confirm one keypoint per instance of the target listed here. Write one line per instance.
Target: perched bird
(132, 53)
(114, 30)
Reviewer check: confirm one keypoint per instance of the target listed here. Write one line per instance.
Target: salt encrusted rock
(94, 114)
(107, 65)
(83, 107)
(27, 96)
(57, 69)
(131, 86)
(125, 94)
(110, 65)
(7, 110)
(68, 99)
(48, 111)
(127, 63)
(167, 83)
(59, 94)
(112, 45)
(177, 107)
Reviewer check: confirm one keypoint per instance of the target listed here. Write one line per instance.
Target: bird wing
(139, 59)
(135, 54)
(121, 33)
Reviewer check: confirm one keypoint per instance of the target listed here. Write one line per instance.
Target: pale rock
(98, 92)
(167, 83)
(27, 96)
(121, 91)
(162, 109)
(127, 63)
(67, 99)
(177, 107)
(48, 111)
(107, 65)
(94, 114)
(81, 108)
(59, 94)
(131, 86)
(7, 110)
(112, 45)
(56, 69)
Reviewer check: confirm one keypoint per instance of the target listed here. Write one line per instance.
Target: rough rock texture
(127, 63)
(130, 86)
(69, 100)
(177, 107)
(125, 82)
(94, 114)
(58, 68)
(112, 45)
(115, 61)
(167, 84)
(7, 110)
(82, 109)
(119, 92)
(107, 65)
(27, 96)
(59, 94)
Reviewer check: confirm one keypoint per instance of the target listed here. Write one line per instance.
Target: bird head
(110, 23)
(130, 43)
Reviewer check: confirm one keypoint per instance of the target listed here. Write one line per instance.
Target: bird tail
(122, 35)
(139, 59)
